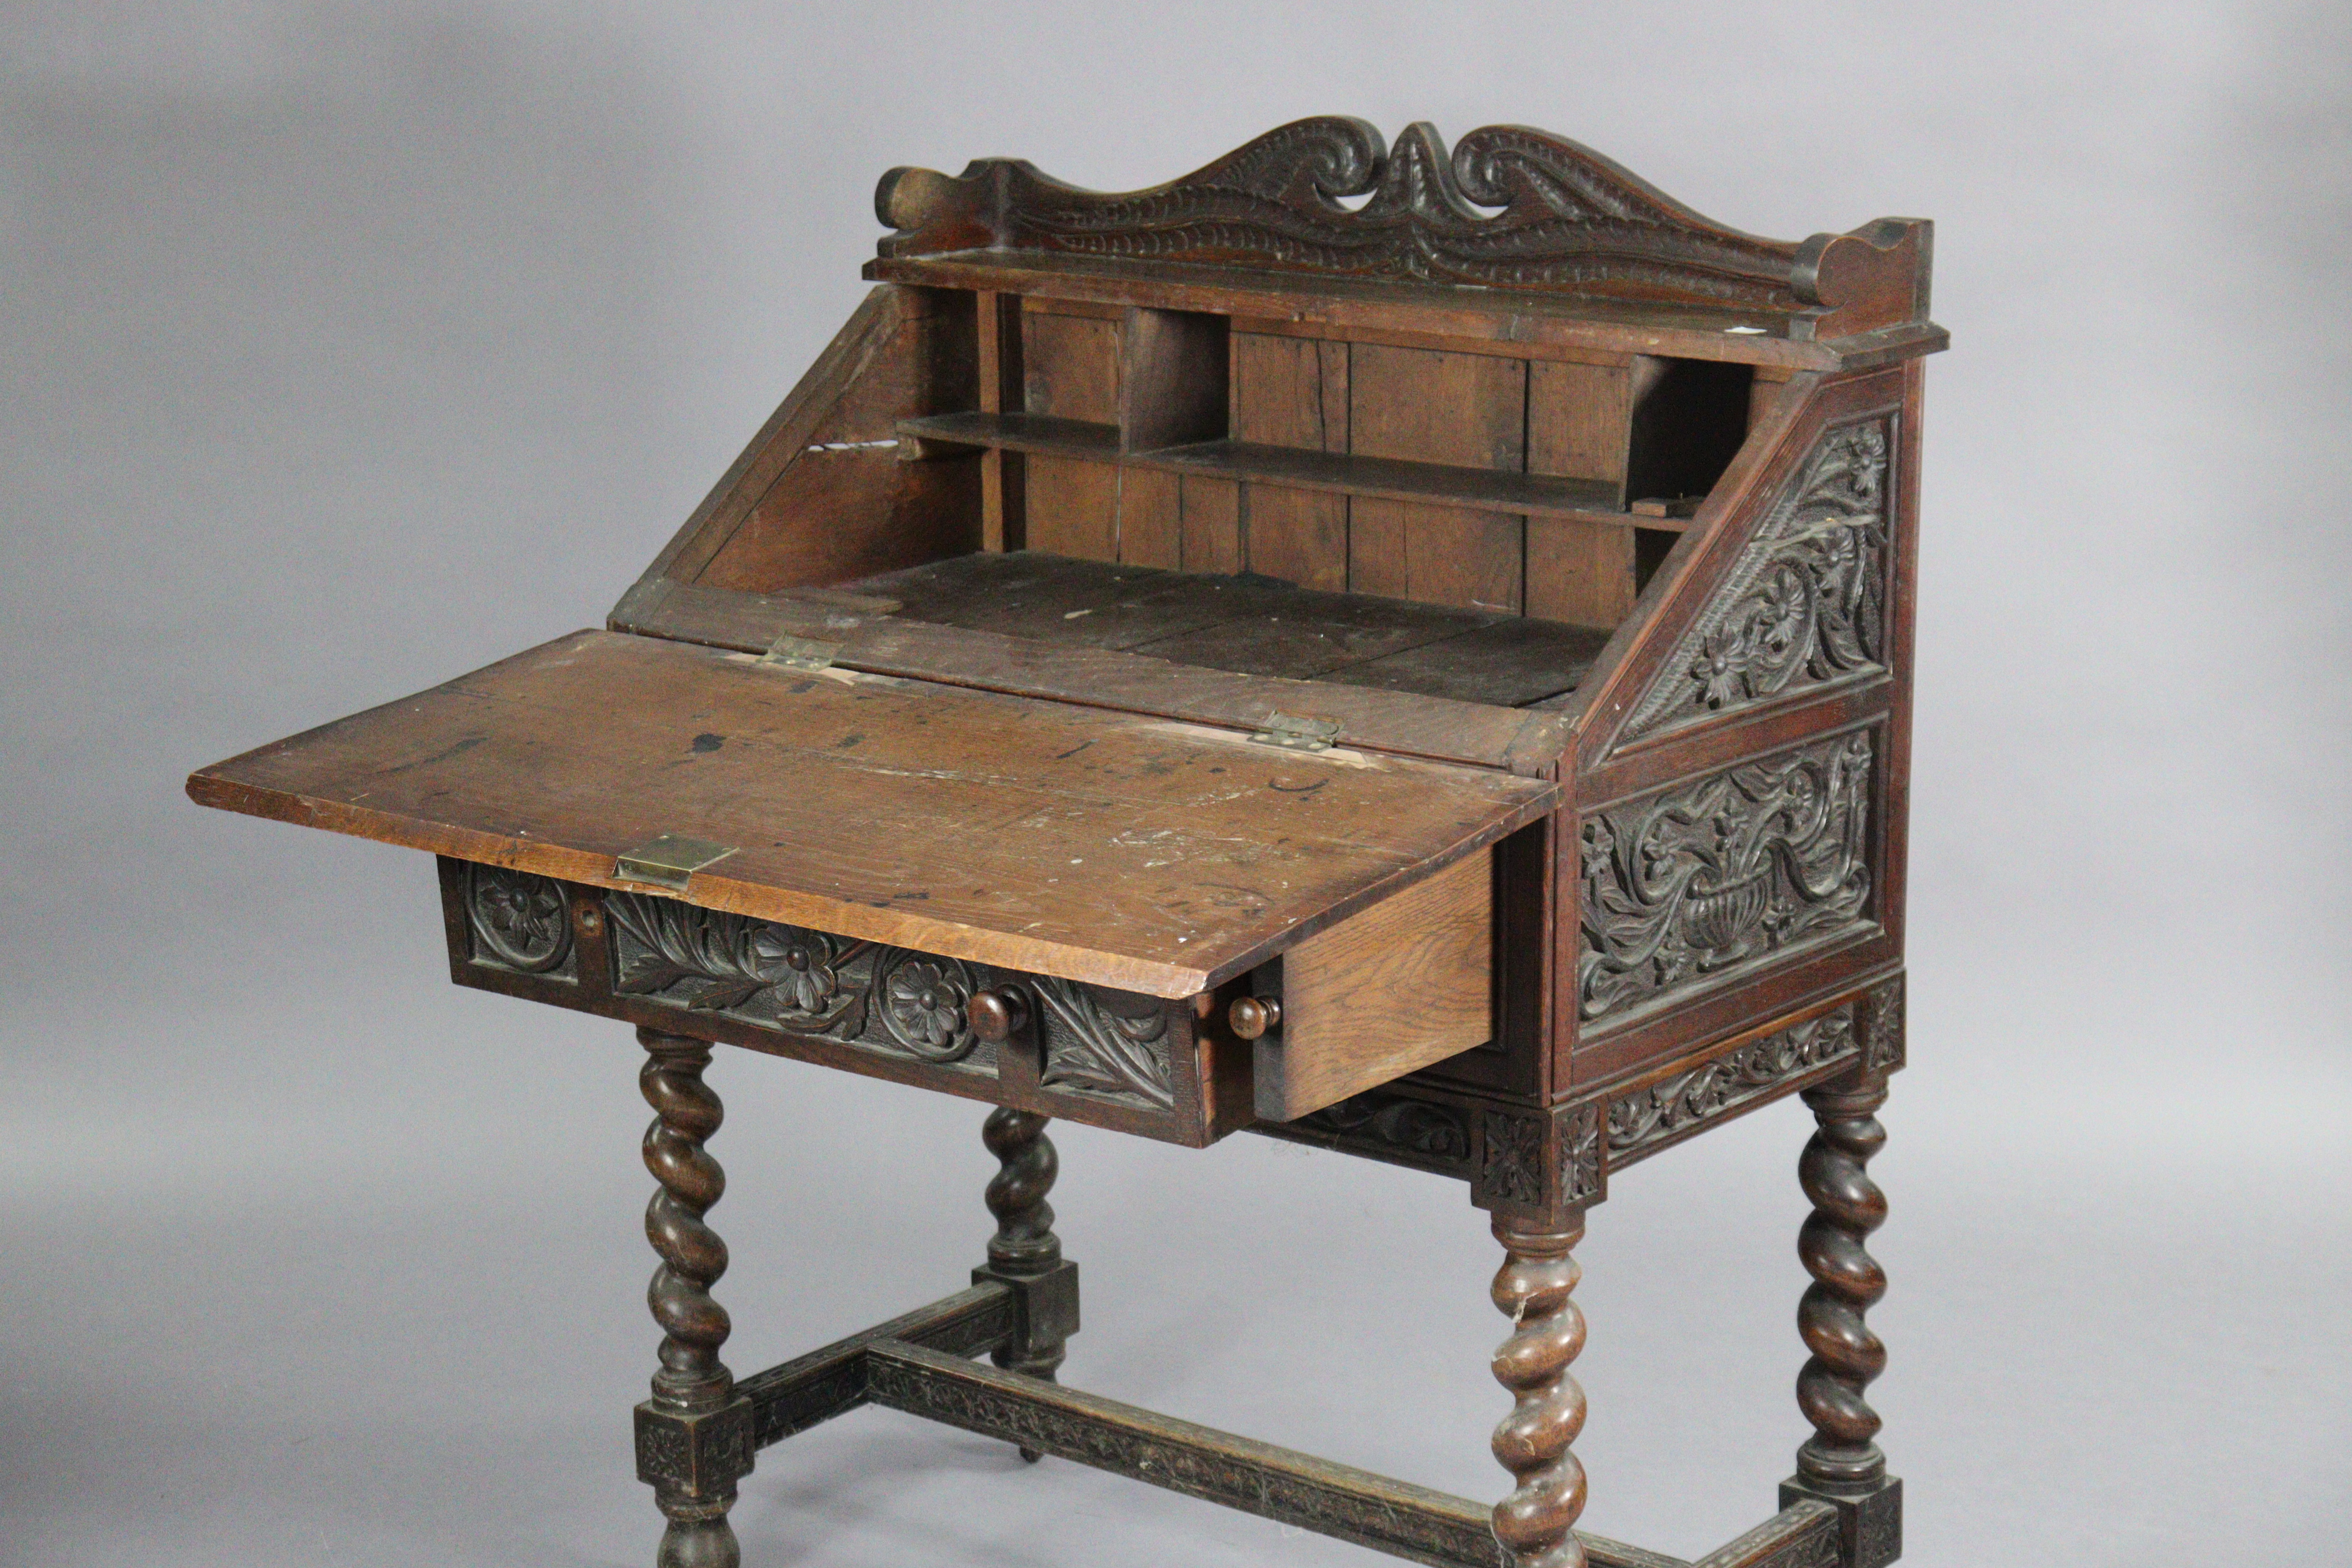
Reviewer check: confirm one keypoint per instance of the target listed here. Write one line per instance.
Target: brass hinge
(801, 653)
(669, 861)
(1294, 734)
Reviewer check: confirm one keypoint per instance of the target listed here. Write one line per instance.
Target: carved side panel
(1687, 887)
(518, 922)
(794, 980)
(1805, 607)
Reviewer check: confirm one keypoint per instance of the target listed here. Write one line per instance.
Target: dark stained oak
(1401, 647)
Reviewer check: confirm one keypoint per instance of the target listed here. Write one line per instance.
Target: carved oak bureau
(1399, 650)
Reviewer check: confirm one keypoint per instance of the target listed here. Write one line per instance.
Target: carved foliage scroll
(1757, 1071)
(1105, 1043)
(1684, 885)
(783, 977)
(1865, 1032)
(1805, 605)
(1509, 207)
(519, 922)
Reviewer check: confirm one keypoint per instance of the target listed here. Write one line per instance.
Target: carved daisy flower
(927, 1003)
(799, 966)
(1721, 668)
(526, 911)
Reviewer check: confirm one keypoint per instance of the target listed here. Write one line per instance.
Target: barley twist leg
(1537, 1523)
(693, 1385)
(1024, 1253)
(1847, 1281)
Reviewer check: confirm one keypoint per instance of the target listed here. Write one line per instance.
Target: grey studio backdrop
(348, 348)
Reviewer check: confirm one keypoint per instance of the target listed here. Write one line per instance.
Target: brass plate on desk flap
(1083, 843)
(802, 653)
(1294, 734)
(669, 861)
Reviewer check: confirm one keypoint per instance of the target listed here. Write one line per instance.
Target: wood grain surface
(1404, 985)
(1144, 854)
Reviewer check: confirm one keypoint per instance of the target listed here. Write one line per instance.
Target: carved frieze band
(1105, 1044)
(1688, 884)
(519, 922)
(1804, 606)
(1866, 1031)
(1508, 207)
(785, 978)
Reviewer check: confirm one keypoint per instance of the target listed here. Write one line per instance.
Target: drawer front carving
(1687, 887)
(518, 922)
(1805, 605)
(1105, 1043)
(1089, 1053)
(795, 980)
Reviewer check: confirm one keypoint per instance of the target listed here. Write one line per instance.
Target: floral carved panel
(1759, 1070)
(1805, 605)
(792, 980)
(1687, 886)
(519, 922)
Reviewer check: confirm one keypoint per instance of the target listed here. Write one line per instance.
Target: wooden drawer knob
(997, 1016)
(1254, 1016)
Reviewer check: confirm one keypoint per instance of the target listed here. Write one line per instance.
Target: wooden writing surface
(1137, 853)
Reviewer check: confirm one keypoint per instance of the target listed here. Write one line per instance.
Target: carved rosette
(1537, 1523)
(787, 978)
(1579, 1157)
(519, 922)
(1685, 886)
(1805, 605)
(1511, 1164)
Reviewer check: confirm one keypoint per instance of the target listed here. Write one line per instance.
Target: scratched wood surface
(1247, 624)
(1139, 853)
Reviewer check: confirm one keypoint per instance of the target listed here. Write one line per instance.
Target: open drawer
(1021, 900)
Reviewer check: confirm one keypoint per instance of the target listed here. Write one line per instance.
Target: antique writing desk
(1426, 675)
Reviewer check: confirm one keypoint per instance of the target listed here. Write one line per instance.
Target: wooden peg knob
(996, 1015)
(1254, 1016)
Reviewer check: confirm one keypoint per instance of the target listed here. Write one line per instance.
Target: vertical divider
(1003, 476)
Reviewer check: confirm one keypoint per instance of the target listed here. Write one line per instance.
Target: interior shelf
(1253, 625)
(1535, 495)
